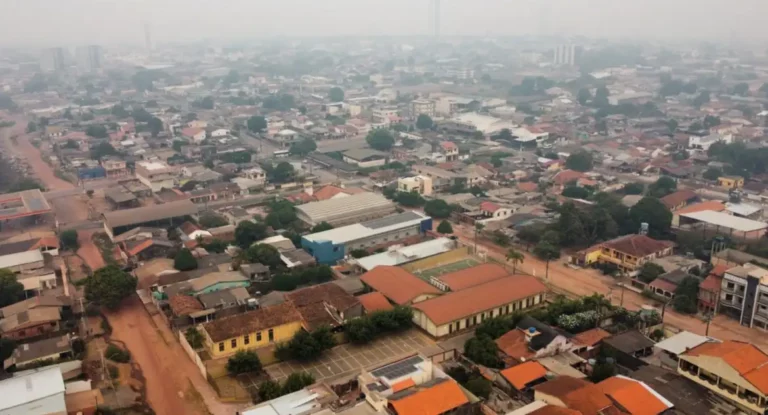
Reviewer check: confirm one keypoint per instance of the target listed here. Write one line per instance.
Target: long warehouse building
(346, 210)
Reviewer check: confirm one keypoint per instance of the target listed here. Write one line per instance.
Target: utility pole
(709, 320)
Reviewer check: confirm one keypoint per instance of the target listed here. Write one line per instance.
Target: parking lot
(348, 359)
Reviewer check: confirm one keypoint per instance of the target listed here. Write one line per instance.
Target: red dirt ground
(88, 251)
(43, 171)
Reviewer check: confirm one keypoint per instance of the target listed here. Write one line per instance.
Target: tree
(31, 127)
(264, 254)
(108, 286)
(102, 150)
(244, 361)
(445, 227)
(282, 173)
(211, 220)
(11, 290)
(25, 184)
(97, 131)
(185, 261)
(741, 89)
(7, 346)
(117, 354)
(155, 126)
(68, 240)
(712, 174)
(662, 187)
(686, 296)
(547, 251)
(409, 199)
(576, 192)
(584, 96)
(303, 147)
(380, 139)
(581, 161)
(336, 94)
(634, 188)
(651, 211)
(247, 232)
(515, 257)
(269, 389)
(321, 227)
(177, 145)
(649, 272)
(6, 102)
(194, 337)
(483, 350)
(282, 214)
(479, 386)
(216, 246)
(701, 99)
(601, 97)
(306, 346)
(424, 122)
(672, 124)
(437, 208)
(297, 381)
(602, 371)
(257, 124)
(204, 103)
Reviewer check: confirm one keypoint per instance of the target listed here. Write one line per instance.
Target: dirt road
(583, 282)
(43, 171)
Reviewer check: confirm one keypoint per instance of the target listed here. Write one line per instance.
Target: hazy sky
(71, 22)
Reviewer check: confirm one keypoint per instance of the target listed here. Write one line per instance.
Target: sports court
(447, 268)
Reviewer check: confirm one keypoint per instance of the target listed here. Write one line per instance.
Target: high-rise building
(89, 58)
(567, 55)
(53, 59)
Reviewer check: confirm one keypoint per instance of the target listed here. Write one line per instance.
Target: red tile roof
(461, 304)
(397, 284)
(749, 361)
(523, 374)
(191, 132)
(577, 394)
(711, 283)
(250, 322)
(435, 399)
(663, 285)
(448, 145)
(566, 176)
(374, 301)
(489, 207)
(183, 305)
(591, 337)
(633, 396)
(637, 245)
(402, 385)
(470, 277)
(675, 199)
(527, 186)
(554, 410)
(715, 205)
(514, 345)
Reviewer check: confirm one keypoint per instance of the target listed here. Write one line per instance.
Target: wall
(449, 257)
(281, 334)
(192, 354)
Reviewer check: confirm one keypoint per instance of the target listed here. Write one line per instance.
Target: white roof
(682, 341)
(330, 209)
(361, 231)
(725, 220)
(483, 123)
(407, 254)
(292, 404)
(287, 132)
(21, 258)
(20, 390)
(743, 209)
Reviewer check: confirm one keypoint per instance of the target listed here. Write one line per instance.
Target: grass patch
(448, 268)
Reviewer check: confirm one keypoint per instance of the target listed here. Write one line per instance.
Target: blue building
(330, 246)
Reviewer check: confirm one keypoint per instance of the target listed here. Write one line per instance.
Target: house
(672, 347)
(315, 399)
(576, 394)
(196, 135)
(633, 396)
(423, 106)
(373, 302)
(733, 370)
(208, 283)
(121, 221)
(38, 392)
(254, 329)
(398, 285)
(744, 295)
(629, 253)
(51, 349)
(365, 158)
(115, 168)
(147, 249)
(679, 199)
(47, 245)
(532, 339)
(714, 205)
(224, 299)
(156, 175)
(525, 375)
(460, 310)
(419, 184)
(587, 343)
(730, 182)
(449, 150)
(724, 224)
(441, 178)
(59, 303)
(325, 305)
(709, 290)
(564, 178)
(629, 347)
(439, 396)
(30, 323)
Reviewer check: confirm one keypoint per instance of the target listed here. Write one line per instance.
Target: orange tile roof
(745, 358)
(397, 284)
(567, 176)
(461, 304)
(140, 247)
(637, 245)
(470, 277)
(374, 301)
(183, 305)
(527, 186)
(719, 270)
(591, 337)
(402, 385)
(330, 191)
(554, 410)
(513, 344)
(576, 394)
(521, 375)
(633, 396)
(489, 207)
(673, 199)
(433, 400)
(699, 207)
(712, 283)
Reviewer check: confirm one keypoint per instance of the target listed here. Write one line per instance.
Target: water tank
(531, 330)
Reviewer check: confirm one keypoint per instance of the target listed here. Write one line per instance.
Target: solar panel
(398, 369)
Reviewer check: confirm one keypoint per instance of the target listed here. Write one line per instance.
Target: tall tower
(148, 36)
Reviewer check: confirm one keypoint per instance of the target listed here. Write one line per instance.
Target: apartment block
(744, 295)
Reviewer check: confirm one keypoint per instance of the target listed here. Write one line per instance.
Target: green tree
(712, 174)
(108, 286)
(282, 173)
(97, 131)
(216, 246)
(672, 124)
(359, 253)
(547, 251)
(117, 354)
(437, 208)
(601, 97)
(581, 161)
(68, 240)
(480, 387)
(244, 361)
(204, 103)
(306, 346)
(177, 145)
(649, 272)
(247, 232)
(651, 211)
(515, 257)
(257, 124)
(303, 147)
(264, 254)
(282, 214)
(424, 122)
(336, 94)
(25, 184)
(602, 371)
(741, 89)
(701, 99)
(321, 227)
(409, 199)
(576, 192)
(634, 188)
(7, 346)
(297, 381)
(269, 389)
(155, 126)
(102, 150)
(11, 290)
(212, 220)
(194, 337)
(662, 187)
(184, 260)
(380, 139)
(445, 227)
(360, 330)
(686, 296)
(31, 127)
(483, 350)
(584, 96)
(711, 121)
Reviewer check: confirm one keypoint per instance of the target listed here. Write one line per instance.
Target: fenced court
(447, 268)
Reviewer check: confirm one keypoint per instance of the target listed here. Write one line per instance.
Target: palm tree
(515, 258)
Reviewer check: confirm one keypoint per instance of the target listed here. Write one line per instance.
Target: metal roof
(20, 258)
(682, 341)
(24, 389)
(408, 253)
(345, 206)
(149, 213)
(363, 230)
(727, 221)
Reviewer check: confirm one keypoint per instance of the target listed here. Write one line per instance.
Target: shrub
(297, 381)
(244, 361)
(483, 350)
(117, 354)
(269, 390)
(68, 240)
(479, 386)
(194, 337)
(367, 328)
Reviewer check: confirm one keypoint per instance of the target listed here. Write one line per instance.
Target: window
(271, 335)
(234, 343)
(507, 304)
(466, 323)
(729, 297)
(258, 336)
(221, 346)
(335, 249)
(247, 339)
(730, 285)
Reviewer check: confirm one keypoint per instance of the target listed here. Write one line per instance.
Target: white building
(156, 175)
(470, 122)
(422, 106)
(565, 55)
(706, 142)
(419, 184)
(40, 392)
(221, 132)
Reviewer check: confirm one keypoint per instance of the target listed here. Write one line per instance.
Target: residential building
(466, 308)
(576, 394)
(156, 175)
(325, 305)
(634, 396)
(730, 182)
(735, 371)
(724, 224)
(709, 290)
(330, 246)
(525, 375)
(629, 253)
(38, 392)
(256, 174)
(254, 329)
(471, 122)
(115, 168)
(196, 135)
(679, 199)
(419, 184)
(208, 283)
(314, 399)
(51, 349)
(423, 106)
(440, 396)
(672, 347)
(441, 179)
(365, 158)
(31, 323)
(385, 115)
(339, 212)
(89, 58)
(567, 55)
(450, 150)
(705, 142)
(744, 295)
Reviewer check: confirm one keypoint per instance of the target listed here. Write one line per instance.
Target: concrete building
(89, 58)
(330, 246)
(156, 175)
(419, 184)
(744, 295)
(423, 106)
(39, 392)
(365, 158)
(343, 211)
(566, 55)
(53, 59)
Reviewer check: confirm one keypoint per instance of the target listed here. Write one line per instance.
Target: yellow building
(734, 370)
(251, 330)
(731, 182)
(629, 252)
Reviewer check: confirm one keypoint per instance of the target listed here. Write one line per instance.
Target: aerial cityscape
(405, 208)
